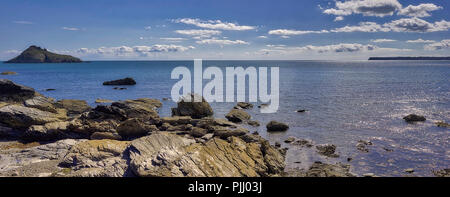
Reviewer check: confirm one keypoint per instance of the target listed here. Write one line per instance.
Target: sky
(231, 29)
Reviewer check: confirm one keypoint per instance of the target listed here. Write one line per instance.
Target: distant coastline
(409, 58)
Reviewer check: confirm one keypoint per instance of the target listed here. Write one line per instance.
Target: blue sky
(209, 29)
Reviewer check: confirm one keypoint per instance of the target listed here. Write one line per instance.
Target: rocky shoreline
(44, 137)
(69, 138)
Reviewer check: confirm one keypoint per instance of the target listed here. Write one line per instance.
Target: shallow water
(347, 101)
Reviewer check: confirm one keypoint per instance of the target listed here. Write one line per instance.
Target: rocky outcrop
(11, 92)
(414, 118)
(237, 115)
(168, 155)
(328, 150)
(195, 144)
(125, 81)
(187, 107)
(8, 73)
(35, 54)
(276, 126)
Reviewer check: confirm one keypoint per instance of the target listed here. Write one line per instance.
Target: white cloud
(199, 33)
(23, 22)
(417, 25)
(173, 39)
(382, 40)
(420, 40)
(70, 28)
(362, 27)
(400, 25)
(214, 24)
(419, 10)
(340, 48)
(148, 28)
(262, 37)
(337, 48)
(133, 51)
(221, 42)
(378, 8)
(287, 32)
(338, 18)
(443, 44)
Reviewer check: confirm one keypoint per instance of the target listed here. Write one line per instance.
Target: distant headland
(35, 54)
(409, 58)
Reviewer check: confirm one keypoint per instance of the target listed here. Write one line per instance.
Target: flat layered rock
(97, 158)
(169, 155)
(17, 116)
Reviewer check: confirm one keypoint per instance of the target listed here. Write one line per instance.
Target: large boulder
(11, 92)
(187, 107)
(135, 127)
(125, 81)
(169, 155)
(237, 115)
(122, 110)
(277, 126)
(18, 116)
(72, 106)
(97, 158)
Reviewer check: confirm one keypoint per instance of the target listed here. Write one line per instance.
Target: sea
(346, 101)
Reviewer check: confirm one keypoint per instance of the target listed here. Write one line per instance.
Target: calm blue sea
(347, 101)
